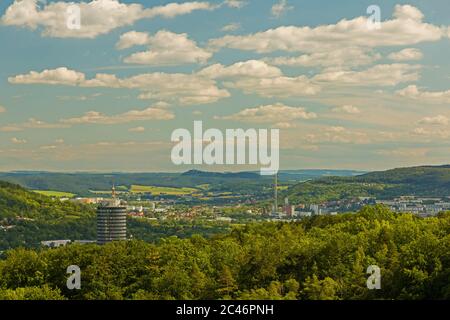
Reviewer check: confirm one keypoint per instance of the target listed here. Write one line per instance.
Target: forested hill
(17, 202)
(430, 181)
(26, 218)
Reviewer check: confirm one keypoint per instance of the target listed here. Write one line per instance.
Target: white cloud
(335, 129)
(174, 87)
(97, 16)
(413, 92)
(250, 68)
(131, 39)
(406, 55)
(59, 76)
(274, 113)
(18, 141)
(235, 3)
(32, 123)
(281, 87)
(94, 117)
(382, 75)
(231, 27)
(347, 109)
(165, 48)
(351, 57)
(406, 28)
(336, 134)
(182, 88)
(437, 120)
(137, 129)
(285, 125)
(408, 12)
(258, 77)
(280, 8)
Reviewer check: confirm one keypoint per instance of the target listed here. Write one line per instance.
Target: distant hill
(427, 181)
(222, 175)
(80, 183)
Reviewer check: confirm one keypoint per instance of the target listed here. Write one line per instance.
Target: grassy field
(162, 190)
(56, 194)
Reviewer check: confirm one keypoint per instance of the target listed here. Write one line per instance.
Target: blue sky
(108, 96)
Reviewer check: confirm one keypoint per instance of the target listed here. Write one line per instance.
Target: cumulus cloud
(59, 76)
(258, 77)
(437, 120)
(408, 12)
(97, 16)
(280, 8)
(235, 3)
(165, 48)
(273, 113)
(406, 55)
(279, 87)
(406, 28)
(382, 75)
(250, 68)
(413, 92)
(174, 87)
(95, 117)
(346, 109)
(131, 39)
(349, 57)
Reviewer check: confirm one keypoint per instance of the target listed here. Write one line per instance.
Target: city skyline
(107, 96)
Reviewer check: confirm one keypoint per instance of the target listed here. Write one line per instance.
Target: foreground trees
(320, 258)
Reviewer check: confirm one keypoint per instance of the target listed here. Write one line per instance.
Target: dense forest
(324, 257)
(428, 181)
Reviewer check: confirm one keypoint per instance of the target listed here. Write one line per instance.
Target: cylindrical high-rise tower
(111, 221)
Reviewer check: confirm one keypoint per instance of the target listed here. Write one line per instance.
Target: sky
(344, 91)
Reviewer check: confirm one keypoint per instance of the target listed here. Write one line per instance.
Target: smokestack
(276, 193)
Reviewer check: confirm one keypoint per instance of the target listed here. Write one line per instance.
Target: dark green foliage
(16, 201)
(28, 218)
(319, 258)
